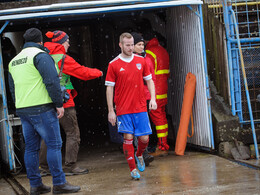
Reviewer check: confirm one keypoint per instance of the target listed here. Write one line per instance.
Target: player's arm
(150, 84)
(151, 88)
(111, 112)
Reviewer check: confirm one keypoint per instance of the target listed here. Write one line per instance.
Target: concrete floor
(6, 188)
(194, 173)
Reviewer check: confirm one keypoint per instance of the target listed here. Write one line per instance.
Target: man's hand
(152, 105)
(112, 117)
(60, 112)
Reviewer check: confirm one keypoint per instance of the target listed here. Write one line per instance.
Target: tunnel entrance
(94, 43)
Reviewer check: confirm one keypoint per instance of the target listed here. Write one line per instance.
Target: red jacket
(72, 68)
(160, 59)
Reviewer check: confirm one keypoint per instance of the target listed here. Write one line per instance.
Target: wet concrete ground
(194, 173)
(6, 188)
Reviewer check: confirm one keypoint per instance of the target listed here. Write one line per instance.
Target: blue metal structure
(243, 41)
(8, 132)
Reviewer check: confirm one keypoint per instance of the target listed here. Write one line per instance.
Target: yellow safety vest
(29, 87)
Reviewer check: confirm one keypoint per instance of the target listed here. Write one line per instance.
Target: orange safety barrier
(186, 111)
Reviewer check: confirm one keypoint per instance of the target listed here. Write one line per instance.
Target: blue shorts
(137, 124)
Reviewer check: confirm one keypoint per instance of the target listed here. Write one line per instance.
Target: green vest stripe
(65, 79)
(29, 87)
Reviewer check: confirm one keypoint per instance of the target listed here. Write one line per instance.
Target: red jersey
(127, 76)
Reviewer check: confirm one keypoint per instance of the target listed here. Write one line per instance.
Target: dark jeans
(42, 126)
(70, 126)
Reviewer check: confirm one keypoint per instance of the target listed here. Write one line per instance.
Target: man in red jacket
(160, 58)
(58, 47)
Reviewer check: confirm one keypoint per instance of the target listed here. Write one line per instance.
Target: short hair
(123, 35)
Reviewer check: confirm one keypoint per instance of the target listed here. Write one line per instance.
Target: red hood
(152, 42)
(55, 48)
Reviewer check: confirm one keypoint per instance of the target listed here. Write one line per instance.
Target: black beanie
(33, 35)
(137, 37)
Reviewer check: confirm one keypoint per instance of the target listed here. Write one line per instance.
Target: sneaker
(68, 171)
(140, 163)
(65, 189)
(42, 189)
(135, 175)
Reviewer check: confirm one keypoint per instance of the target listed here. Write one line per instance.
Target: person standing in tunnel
(160, 59)
(58, 47)
(35, 89)
(139, 50)
(125, 85)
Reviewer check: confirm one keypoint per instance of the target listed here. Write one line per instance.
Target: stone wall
(226, 126)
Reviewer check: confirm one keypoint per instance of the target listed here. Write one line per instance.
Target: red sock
(129, 153)
(141, 146)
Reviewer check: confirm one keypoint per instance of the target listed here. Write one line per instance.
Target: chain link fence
(248, 21)
(252, 67)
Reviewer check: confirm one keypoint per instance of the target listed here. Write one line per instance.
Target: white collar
(126, 59)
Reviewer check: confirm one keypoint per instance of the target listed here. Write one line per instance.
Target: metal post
(236, 72)
(230, 67)
(206, 75)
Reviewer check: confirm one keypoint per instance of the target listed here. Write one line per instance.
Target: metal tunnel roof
(88, 7)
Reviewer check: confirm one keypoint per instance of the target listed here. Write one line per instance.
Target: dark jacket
(46, 67)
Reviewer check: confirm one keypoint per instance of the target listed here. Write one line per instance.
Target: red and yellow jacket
(160, 58)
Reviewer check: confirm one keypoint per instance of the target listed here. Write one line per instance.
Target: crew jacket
(160, 59)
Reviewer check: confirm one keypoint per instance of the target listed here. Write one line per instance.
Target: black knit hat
(137, 37)
(57, 36)
(33, 35)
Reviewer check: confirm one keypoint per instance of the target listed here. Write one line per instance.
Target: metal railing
(242, 23)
